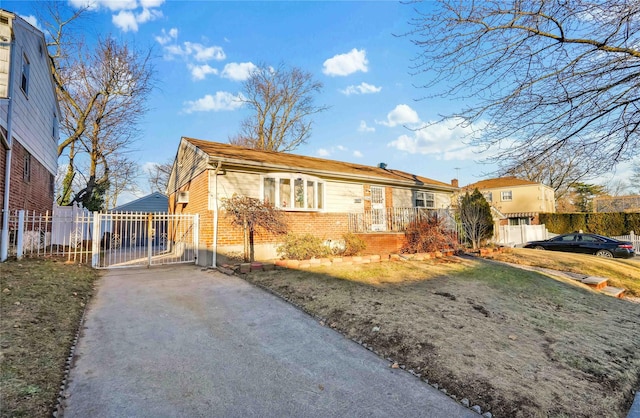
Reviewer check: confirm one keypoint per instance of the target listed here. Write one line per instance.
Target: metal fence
(106, 240)
(397, 219)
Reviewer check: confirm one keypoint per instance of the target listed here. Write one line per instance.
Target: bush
(610, 224)
(427, 235)
(303, 247)
(353, 244)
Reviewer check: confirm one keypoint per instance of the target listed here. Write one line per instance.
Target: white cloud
(200, 72)
(443, 140)
(364, 128)
(222, 100)
(322, 152)
(125, 20)
(238, 71)
(363, 88)
(401, 115)
(167, 37)
(357, 154)
(193, 50)
(345, 64)
(341, 148)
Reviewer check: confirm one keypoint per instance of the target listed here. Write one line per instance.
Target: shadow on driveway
(181, 342)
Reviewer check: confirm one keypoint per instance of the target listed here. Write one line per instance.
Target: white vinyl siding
(190, 162)
(344, 197)
(32, 115)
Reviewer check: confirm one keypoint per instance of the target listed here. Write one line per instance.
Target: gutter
(4, 233)
(214, 262)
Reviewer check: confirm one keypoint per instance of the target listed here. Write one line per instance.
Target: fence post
(20, 239)
(196, 238)
(149, 239)
(95, 240)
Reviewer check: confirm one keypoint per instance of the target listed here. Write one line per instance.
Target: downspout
(214, 263)
(4, 233)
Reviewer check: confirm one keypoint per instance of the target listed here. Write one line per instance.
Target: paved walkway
(181, 342)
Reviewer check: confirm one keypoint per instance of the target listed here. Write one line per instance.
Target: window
(519, 221)
(54, 130)
(425, 200)
(24, 79)
(488, 196)
(293, 192)
(26, 172)
(506, 196)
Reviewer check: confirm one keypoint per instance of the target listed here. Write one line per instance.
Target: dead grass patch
(516, 342)
(621, 272)
(42, 303)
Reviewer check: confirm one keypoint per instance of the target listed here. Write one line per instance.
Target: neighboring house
(29, 116)
(154, 202)
(126, 227)
(323, 197)
(616, 203)
(518, 201)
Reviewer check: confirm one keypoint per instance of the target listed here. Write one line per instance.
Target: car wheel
(604, 253)
(538, 247)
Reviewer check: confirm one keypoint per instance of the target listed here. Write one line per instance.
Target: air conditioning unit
(183, 197)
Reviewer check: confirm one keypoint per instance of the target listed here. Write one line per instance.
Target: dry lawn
(624, 273)
(516, 342)
(41, 305)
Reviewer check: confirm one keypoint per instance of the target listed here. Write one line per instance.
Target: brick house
(324, 197)
(29, 116)
(518, 201)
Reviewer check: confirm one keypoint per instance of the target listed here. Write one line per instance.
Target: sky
(204, 50)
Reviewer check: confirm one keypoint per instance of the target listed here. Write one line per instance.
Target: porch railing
(395, 219)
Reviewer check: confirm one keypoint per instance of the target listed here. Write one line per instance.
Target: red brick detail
(34, 194)
(382, 243)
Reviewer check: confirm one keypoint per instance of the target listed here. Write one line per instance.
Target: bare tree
(558, 171)
(123, 175)
(251, 215)
(102, 92)
(282, 102)
(538, 77)
(158, 176)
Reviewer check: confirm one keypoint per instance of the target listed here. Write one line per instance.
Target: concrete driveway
(181, 342)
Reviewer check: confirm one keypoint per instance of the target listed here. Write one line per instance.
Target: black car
(586, 244)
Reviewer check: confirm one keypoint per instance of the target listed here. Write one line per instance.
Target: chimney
(454, 183)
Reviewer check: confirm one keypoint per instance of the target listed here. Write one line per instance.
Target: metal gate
(143, 239)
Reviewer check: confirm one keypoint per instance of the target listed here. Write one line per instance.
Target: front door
(377, 209)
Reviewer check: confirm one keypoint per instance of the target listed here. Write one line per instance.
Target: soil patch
(515, 342)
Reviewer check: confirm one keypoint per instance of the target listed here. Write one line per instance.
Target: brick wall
(383, 243)
(32, 194)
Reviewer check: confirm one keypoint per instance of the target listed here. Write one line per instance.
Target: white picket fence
(635, 240)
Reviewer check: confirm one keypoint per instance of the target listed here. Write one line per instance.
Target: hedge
(611, 224)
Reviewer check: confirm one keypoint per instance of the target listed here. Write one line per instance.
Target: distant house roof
(154, 202)
(499, 182)
(280, 160)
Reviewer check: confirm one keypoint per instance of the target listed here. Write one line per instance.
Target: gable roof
(154, 202)
(281, 160)
(500, 182)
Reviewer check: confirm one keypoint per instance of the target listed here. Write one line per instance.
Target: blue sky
(205, 49)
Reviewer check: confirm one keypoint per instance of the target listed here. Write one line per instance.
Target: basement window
(293, 191)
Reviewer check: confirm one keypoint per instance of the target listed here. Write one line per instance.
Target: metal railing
(396, 219)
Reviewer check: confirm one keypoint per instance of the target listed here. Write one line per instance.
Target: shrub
(353, 244)
(303, 247)
(427, 235)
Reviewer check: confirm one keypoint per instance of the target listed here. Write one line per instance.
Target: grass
(42, 304)
(621, 272)
(517, 343)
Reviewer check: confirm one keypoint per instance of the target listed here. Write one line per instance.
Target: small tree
(428, 233)
(250, 214)
(475, 215)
